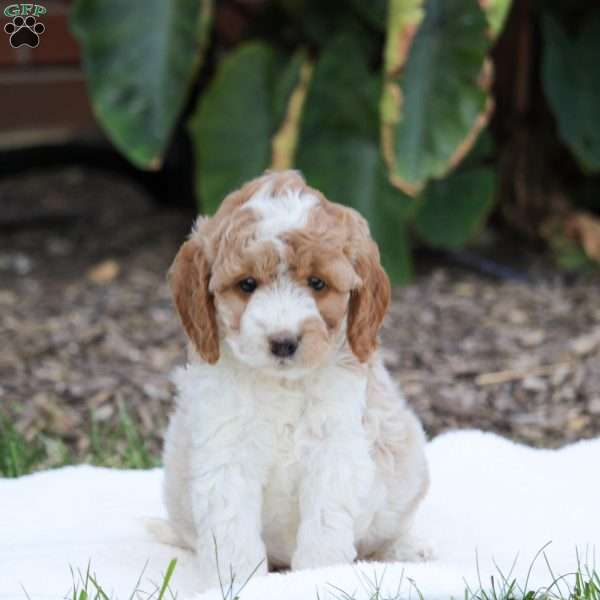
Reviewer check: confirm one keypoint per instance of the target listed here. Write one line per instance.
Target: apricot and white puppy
(290, 446)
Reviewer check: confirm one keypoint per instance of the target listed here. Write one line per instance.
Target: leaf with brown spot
(285, 140)
(404, 19)
(232, 136)
(338, 149)
(435, 100)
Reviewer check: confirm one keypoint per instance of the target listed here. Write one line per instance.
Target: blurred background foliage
(425, 115)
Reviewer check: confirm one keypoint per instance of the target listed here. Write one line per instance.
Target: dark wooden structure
(43, 96)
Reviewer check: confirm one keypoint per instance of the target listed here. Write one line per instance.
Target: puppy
(290, 446)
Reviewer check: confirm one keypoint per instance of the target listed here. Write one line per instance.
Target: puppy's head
(282, 276)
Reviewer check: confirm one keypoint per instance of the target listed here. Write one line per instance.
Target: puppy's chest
(286, 426)
(284, 422)
(285, 417)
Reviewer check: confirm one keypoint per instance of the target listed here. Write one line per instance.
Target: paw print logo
(24, 32)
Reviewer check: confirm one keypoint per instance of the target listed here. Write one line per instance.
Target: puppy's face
(281, 276)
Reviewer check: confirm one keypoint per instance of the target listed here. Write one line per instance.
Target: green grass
(86, 586)
(583, 584)
(120, 446)
(123, 447)
(17, 455)
(229, 591)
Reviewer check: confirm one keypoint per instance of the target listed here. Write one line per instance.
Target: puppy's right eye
(248, 285)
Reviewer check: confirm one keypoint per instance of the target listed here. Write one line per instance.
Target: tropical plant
(380, 104)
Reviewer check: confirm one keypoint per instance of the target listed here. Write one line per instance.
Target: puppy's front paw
(409, 548)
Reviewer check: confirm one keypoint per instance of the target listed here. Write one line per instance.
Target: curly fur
(292, 461)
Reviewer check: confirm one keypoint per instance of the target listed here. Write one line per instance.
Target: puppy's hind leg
(403, 466)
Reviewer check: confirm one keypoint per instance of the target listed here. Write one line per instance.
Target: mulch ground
(86, 325)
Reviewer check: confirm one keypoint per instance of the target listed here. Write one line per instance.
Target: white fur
(293, 471)
(289, 211)
(272, 309)
(269, 461)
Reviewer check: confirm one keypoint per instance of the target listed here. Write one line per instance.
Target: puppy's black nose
(283, 345)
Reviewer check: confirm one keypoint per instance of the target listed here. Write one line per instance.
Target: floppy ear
(188, 277)
(368, 304)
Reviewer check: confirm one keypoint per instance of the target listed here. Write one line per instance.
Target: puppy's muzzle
(283, 345)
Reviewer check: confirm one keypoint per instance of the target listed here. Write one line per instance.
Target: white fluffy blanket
(491, 501)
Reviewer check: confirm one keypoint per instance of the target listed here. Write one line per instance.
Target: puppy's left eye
(316, 284)
(248, 285)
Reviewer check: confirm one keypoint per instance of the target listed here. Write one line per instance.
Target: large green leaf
(237, 117)
(571, 79)
(232, 127)
(338, 148)
(140, 60)
(454, 209)
(435, 99)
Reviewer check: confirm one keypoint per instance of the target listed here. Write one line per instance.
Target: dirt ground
(86, 323)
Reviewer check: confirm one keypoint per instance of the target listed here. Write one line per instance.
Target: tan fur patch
(368, 304)
(231, 304)
(260, 262)
(239, 255)
(286, 180)
(335, 246)
(192, 270)
(316, 342)
(188, 279)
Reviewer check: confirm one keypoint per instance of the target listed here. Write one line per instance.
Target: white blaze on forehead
(286, 211)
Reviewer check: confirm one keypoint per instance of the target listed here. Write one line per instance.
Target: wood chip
(594, 405)
(516, 374)
(104, 272)
(535, 384)
(531, 338)
(586, 344)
